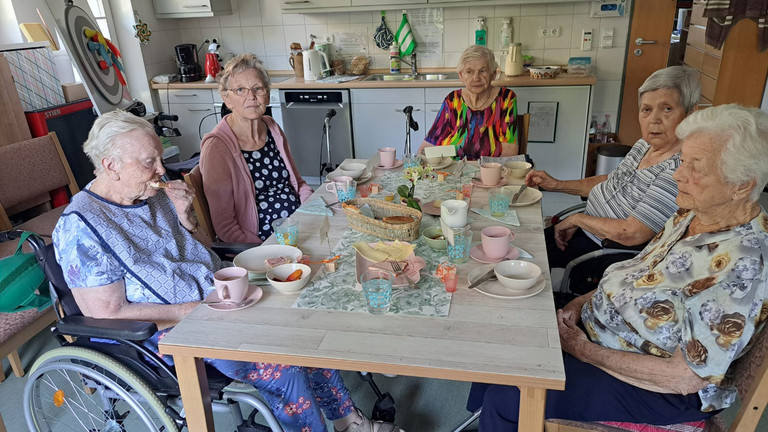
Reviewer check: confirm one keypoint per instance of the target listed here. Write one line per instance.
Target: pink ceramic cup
(231, 284)
(491, 173)
(387, 156)
(495, 241)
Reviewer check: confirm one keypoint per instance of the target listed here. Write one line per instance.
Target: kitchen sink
(408, 77)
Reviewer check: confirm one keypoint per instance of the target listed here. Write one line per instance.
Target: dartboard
(105, 81)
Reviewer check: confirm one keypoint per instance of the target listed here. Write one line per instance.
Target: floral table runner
(339, 290)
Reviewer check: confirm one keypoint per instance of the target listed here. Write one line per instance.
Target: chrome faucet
(412, 64)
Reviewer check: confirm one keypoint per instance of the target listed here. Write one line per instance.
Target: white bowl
(282, 271)
(352, 169)
(517, 274)
(518, 169)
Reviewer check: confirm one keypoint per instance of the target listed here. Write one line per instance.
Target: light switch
(606, 37)
(586, 40)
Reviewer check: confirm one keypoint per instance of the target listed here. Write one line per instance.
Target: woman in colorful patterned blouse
(654, 342)
(480, 118)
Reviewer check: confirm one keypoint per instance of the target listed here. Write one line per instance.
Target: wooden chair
(29, 171)
(200, 205)
(749, 374)
(523, 122)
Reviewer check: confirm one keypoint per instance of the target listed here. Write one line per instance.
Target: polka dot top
(275, 197)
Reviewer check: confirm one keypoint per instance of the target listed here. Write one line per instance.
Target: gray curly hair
(103, 138)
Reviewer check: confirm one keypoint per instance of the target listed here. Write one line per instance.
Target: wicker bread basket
(379, 228)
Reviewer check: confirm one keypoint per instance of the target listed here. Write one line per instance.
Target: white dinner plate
(528, 197)
(493, 288)
(253, 258)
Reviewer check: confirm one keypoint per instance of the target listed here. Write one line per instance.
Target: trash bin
(609, 156)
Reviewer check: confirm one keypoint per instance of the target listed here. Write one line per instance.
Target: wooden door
(652, 20)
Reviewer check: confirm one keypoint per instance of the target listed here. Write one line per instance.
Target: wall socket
(549, 32)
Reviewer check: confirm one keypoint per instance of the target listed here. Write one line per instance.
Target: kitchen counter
(300, 83)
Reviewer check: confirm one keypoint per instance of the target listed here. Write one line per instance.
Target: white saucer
(430, 208)
(480, 184)
(398, 163)
(445, 162)
(254, 295)
(478, 255)
(362, 179)
(495, 289)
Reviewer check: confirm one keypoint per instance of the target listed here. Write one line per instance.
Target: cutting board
(13, 124)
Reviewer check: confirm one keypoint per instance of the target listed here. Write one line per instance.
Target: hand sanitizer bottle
(481, 33)
(506, 33)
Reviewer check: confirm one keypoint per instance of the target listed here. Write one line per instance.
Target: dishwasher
(304, 113)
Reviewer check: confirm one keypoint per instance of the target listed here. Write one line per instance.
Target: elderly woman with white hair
(479, 119)
(128, 248)
(654, 343)
(629, 205)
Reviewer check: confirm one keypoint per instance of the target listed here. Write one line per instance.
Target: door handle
(398, 110)
(641, 41)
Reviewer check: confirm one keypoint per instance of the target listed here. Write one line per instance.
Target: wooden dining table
(482, 339)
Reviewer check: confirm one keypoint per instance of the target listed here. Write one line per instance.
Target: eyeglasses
(243, 91)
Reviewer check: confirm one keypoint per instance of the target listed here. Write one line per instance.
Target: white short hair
(744, 133)
(681, 78)
(103, 139)
(477, 52)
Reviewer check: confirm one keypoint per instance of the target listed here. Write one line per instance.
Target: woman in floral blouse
(654, 342)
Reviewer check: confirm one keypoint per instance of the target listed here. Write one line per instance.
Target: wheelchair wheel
(78, 389)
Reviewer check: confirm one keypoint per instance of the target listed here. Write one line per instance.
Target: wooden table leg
(533, 401)
(195, 395)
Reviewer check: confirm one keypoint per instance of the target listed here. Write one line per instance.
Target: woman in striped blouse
(480, 118)
(631, 204)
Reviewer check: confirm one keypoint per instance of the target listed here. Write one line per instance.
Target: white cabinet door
(564, 158)
(413, 3)
(194, 119)
(429, 115)
(192, 8)
(378, 119)
(312, 4)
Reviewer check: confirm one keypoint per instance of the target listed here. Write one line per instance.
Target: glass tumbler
(286, 231)
(498, 202)
(377, 286)
(458, 252)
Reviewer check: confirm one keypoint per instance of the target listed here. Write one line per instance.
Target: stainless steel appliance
(304, 114)
(189, 68)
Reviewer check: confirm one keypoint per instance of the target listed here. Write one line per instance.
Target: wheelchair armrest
(564, 213)
(106, 328)
(610, 244)
(227, 251)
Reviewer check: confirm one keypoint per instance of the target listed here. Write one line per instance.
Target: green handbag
(23, 284)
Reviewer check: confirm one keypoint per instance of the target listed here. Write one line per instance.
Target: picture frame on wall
(543, 121)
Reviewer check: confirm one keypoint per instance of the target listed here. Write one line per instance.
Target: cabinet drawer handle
(198, 109)
(434, 110)
(195, 6)
(185, 95)
(296, 2)
(399, 110)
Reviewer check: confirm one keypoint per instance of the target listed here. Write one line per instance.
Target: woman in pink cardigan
(249, 176)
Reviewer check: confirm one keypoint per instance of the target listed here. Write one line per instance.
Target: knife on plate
(520, 192)
(482, 279)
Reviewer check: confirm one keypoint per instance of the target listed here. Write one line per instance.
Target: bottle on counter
(481, 34)
(606, 129)
(593, 127)
(394, 58)
(506, 33)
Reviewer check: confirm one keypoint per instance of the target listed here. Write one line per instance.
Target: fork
(399, 271)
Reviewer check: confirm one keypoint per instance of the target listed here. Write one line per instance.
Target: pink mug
(231, 284)
(387, 156)
(491, 173)
(495, 241)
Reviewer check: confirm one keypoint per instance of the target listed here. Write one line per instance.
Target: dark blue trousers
(590, 395)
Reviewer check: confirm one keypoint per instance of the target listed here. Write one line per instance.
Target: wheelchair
(102, 379)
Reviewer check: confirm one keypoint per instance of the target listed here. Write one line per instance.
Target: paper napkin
(395, 251)
(315, 205)
(509, 219)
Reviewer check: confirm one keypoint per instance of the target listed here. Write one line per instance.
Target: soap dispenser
(481, 34)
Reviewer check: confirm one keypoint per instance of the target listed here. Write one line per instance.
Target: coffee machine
(189, 68)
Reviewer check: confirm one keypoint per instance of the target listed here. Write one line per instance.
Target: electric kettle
(513, 66)
(314, 68)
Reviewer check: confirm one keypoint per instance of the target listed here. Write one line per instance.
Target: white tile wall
(258, 26)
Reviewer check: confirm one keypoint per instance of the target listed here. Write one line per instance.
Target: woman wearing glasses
(249, 175)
